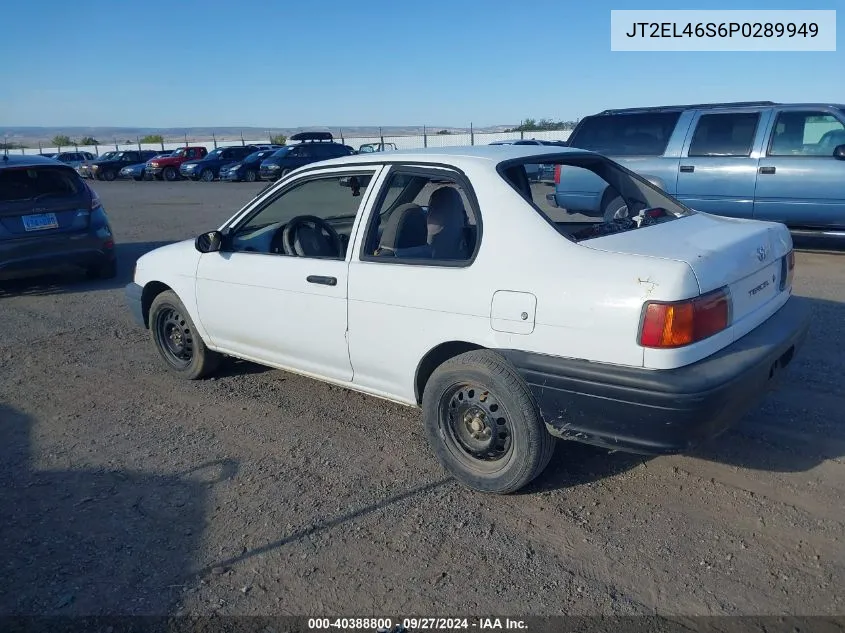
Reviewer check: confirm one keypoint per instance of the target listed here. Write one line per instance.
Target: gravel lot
(259, 492)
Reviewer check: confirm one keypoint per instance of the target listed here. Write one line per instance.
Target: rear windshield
(37, 183)
(643, 134)
(589, 196)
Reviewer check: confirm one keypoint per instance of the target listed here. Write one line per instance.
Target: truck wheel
(169, 174)
(207, 175)
(615, 209)
(176, 339)
(483, 425)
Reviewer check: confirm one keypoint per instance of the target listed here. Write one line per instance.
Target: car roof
(27, 160)
(458, 155)
(715, 106)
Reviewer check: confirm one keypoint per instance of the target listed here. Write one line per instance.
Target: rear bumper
(662, 411)
(53, 252)
(134, 294)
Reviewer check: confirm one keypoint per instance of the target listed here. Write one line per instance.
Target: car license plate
(40, 222)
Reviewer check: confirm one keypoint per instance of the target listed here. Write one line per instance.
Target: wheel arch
(435, 357)
(150, 292)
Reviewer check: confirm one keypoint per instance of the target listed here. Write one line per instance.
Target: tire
(103, 270)
(480, 393)
(284, 173)
(250, 175)
(109, 175)
(175, 337)
(169, 174)
(207, 175)
(615, 209)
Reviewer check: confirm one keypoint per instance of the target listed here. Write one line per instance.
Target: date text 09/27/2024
(389, 625)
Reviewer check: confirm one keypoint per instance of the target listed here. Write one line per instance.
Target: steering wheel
(292, 248)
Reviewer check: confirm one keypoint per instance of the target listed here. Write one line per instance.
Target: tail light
(95, 199)
(557, 174)
(679, 323)
(787, 271)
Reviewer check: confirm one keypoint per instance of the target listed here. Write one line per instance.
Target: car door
(718, 167)
(799, 182)
(284, 310)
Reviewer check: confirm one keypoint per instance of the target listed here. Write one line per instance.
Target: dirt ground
(124, 491)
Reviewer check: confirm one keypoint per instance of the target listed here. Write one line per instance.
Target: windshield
(590, 196)
(217, 153)
(255, 156)
(106, 156)
(280, 152)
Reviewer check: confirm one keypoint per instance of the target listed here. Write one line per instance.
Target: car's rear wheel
(176, 339)
(169, 174)
(250, 175)
(207, 175)
(483, 425)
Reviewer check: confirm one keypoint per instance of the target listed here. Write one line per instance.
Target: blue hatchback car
(762, 160)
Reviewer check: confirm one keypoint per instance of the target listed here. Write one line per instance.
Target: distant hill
(31, 136)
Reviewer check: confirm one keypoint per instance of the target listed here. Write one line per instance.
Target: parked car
(74, 159)
(84, 169)
(109, 168)
(139, 171)
(247, 169)
(368, 148)
(51, 219)
(668, 332)
(312, 147)
(761, 160)
(208, 167)
(167, 167)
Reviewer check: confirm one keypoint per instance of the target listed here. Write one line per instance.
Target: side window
(806, 134)
(645, 134)
(729, 134)
(280, 227)
(306, 151)
(422, 218)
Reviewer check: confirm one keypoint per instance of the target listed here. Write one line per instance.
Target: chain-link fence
(405, 141)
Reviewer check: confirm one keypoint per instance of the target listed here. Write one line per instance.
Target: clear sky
(288, 63)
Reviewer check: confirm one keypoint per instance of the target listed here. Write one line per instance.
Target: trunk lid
(744, 255)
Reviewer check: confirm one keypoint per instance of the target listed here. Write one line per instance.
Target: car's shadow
(96, 540)
(72, 280)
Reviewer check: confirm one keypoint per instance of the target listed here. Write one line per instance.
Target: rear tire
(177, 341)
(483, 425)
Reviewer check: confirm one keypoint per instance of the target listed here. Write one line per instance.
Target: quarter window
(422, 218)
(729, 134)
(645, 134)
(806, 134)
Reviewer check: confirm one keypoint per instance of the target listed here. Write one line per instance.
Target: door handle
(687, 169)
(319, 279)
(766, 170)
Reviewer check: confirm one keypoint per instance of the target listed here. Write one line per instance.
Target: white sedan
(443, 279)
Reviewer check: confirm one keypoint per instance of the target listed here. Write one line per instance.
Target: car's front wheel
(483, 425)
(176, 339)
(109, 175)
(251, 175)
(207, 175)
(169, 174)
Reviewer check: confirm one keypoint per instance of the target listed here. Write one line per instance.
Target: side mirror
(209, 242)
(839, 152)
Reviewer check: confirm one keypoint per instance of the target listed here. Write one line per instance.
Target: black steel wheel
(176, 339)
(483, 425)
